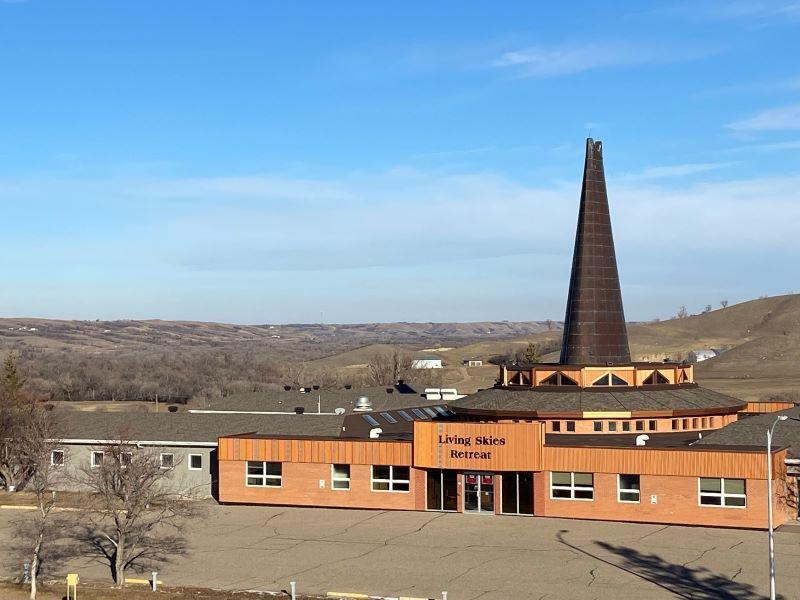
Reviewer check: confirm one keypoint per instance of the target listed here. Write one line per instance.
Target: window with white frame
(571, 486)
(57, 458)
(167, 460)
(386, 478)
(195, 462)
(722, 492)
(264, 474)
(340, 477)
(97, 458)
(628, 488)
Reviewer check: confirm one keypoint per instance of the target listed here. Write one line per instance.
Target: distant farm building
(473, 362)
(697, 356)
(426, 363)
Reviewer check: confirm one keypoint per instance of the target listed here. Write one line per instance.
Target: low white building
(426, 363)
(697, 356)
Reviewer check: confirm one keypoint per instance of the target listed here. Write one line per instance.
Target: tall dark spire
(594, 326)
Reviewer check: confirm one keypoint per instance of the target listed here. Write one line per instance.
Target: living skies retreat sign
(459, 445)
(479, 446)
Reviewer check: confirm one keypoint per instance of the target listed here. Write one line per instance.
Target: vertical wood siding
(355, 452)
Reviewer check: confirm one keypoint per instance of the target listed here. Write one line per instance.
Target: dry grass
(10, 591)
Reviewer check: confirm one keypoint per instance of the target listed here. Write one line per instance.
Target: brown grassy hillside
(137, 359)
(763, 338)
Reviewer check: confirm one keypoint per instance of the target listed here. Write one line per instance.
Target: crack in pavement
(660, 529)
(357, 523)
(592, 574)
(417, 530)
(735, 575)
(472, 568)
(702, 554)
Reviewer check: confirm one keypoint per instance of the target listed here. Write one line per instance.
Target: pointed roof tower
(594, 326)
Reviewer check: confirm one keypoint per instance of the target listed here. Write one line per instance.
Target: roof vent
(363, 404)
(299, 410)
(338, 411)
(375, 433)
(641, 440)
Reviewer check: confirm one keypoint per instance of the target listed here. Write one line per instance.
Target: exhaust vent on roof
(363, 404)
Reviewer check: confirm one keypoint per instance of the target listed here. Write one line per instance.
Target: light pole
(770, 431)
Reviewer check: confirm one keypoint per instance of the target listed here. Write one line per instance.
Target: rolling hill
(761, 338)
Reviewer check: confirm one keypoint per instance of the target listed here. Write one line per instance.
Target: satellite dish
(338, 411)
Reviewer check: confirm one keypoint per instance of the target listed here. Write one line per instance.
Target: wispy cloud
(724, 10)
(771, 147)
(382, 234)
(782, 118)
(683, 170)
(789, 84)
(571, 58)
(455, 153)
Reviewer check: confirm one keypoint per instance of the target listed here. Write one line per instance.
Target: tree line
(130, 517)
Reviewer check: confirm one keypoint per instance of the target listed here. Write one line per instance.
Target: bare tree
(49, 462)
(24, 432)
(707, 309)
(549, 323)
(387, 368)
(139, 516)
(294, 372)
(723, 303)
(682, 313)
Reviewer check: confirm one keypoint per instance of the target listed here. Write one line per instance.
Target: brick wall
(301, 487)
(677, 503)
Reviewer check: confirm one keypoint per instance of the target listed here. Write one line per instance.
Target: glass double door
(517, 493)
(442, 490)
(479, 492)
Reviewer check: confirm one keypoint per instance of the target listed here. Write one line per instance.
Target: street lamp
(770, 432)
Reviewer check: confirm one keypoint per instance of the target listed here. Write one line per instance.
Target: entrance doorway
(442, 490)
(517, 494)
(479, 492)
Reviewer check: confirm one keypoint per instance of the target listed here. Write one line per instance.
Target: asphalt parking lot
(469, 556)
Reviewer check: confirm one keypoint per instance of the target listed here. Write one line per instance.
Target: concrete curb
(30, 507)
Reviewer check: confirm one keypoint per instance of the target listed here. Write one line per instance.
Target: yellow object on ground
(140, 581)
(72, 586)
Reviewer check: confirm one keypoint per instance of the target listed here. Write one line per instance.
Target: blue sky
(347, 162)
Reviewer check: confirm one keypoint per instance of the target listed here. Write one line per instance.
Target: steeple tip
(594, 325)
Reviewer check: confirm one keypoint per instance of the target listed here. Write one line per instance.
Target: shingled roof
(753, 431)
(187, 427)
(533, 401)
(286, 401)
